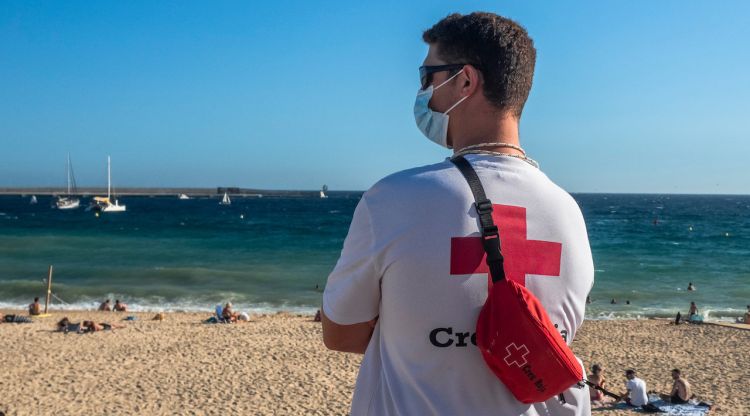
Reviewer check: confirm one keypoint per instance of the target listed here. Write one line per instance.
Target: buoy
(242, 216)
(726, 234)
(96, 214)
(690, 228)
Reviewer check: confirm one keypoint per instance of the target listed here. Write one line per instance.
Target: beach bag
(518, 341)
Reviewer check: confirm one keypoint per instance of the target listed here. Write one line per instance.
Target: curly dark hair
(498, 47)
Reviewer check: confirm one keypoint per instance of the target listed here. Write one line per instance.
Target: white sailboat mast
(109, 177)
(67, 170)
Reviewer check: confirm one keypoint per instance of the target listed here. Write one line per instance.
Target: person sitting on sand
(690, 286)
(597, 378)
(105, 306)
(317, 317)
(747, 315)
(35, 308)
(693, 311)
(635, 394)
(120, 307)
(228, 313)
(681, 391)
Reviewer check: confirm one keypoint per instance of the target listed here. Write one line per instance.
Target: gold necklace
(526, 159)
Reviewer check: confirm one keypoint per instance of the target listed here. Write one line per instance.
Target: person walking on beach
(35, 308)
(635, 390)
(411, 279)
(681, 391)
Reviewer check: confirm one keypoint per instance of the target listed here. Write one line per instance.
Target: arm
(347, 338)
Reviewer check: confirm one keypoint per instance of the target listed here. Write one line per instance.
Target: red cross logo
(521, 256)
(516, 355)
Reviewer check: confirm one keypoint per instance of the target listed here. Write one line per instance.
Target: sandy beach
(277, 365)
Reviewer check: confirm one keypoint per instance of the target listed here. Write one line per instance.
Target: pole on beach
(49, 289)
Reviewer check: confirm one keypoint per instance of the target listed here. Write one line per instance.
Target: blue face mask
(433, 124)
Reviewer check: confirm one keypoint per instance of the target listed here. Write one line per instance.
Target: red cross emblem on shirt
(521, 256)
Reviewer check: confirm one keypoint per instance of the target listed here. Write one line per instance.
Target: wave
(185, 306)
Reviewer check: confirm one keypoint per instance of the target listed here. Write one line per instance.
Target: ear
(471, 79)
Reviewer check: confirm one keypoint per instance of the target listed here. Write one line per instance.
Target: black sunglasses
(425, 72)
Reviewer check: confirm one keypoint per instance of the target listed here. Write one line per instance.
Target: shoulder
(414, 177)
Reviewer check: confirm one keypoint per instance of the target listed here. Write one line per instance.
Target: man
(105, 306)
(681, 391)
(693, 312)
(120, 307)
(747, 315)
(411, 281)
(35, 308)
(635, 394)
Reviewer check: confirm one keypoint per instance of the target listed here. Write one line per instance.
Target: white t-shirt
(638, 395)
(412, 257)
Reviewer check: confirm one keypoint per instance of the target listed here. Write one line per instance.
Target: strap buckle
(484, 207)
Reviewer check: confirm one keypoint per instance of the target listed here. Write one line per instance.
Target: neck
(484, 129)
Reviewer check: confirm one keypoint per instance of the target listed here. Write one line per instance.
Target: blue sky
(637, 96)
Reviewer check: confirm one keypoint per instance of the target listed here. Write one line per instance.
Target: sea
(275, 253)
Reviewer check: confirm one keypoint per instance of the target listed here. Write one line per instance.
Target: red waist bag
(518, 341)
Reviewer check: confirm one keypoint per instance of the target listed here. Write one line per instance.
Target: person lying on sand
(91, 326)
(681, 391)
(65, 326)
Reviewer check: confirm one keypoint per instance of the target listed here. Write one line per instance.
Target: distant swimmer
(690, 286)
(627, 302)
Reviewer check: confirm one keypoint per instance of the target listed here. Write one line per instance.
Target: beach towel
(670, 409)
(18, 319)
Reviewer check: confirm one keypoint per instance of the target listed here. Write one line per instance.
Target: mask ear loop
(447, 81)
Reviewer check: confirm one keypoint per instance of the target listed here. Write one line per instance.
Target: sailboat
(33, 200)
(183, 196)
(323, 191)
(68, 201)
(105, 204)
(225, 200)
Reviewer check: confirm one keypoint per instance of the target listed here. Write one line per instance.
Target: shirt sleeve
(352, 294)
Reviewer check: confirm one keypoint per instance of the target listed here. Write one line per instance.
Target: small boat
(110, 203)
(33, 200)
(323, 191)
(183, 196)
(68, 201)
(225, 200)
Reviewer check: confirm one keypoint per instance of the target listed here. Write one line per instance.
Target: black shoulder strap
(490, 237)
